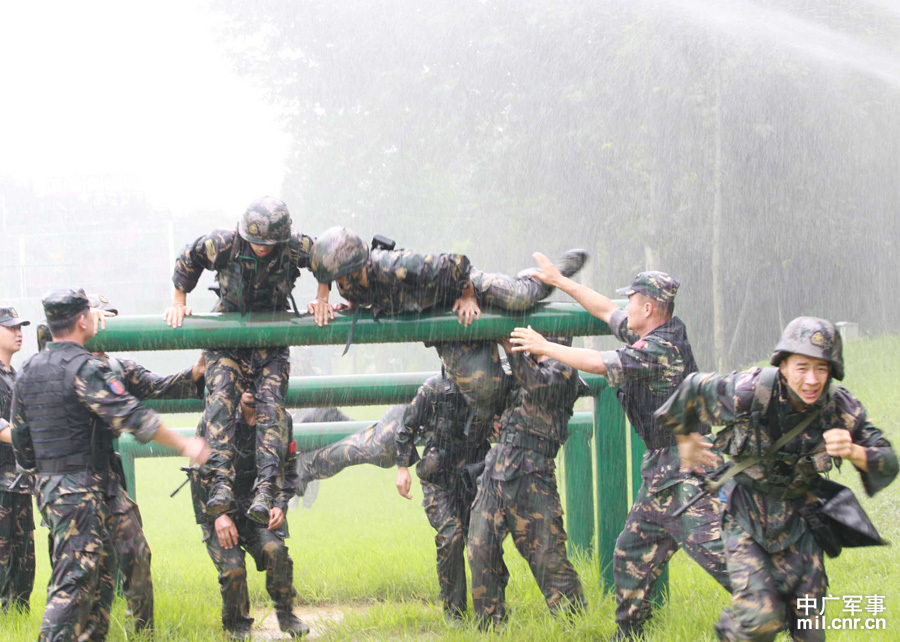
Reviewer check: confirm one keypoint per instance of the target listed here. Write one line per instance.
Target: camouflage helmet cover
(812, 337)
(266, 222)
(336, 253)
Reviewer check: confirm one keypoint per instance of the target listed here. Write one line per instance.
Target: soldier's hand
(197, 450)
(838, 442)
(695, 454)
(276, 518)
(226, 532)
(98, 316)
(322, 310)
(547, 272)
(404, 481)
(528, 340)
(467, 310)
(174, 315)
(344, 305)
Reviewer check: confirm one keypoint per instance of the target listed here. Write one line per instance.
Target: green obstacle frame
(606, 425)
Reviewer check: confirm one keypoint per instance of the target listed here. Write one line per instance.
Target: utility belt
(775, 491)
(73, 464)
(529, 441)
(658, 441)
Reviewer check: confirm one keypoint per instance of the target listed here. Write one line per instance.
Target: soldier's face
(354, 278)
(10, 339)
(638, 310)
(806, 376)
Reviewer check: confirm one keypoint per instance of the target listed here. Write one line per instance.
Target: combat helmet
(336, 253)
(266, 222)
(812, 337)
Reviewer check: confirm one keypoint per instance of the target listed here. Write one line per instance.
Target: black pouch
(470, 475)
(837, 521)
(431, 466)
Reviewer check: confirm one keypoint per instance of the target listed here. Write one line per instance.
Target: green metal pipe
(284, 329)
(612, 479)
(579, 473)
(347, 390)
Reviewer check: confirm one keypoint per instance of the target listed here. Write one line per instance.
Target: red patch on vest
(116, 386)
(292, 447)
(640, 344)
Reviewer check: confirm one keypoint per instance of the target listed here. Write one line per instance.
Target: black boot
(262, 502)
(219, 501)
(290, 623)
(571, 262)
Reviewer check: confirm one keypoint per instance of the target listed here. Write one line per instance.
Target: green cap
(659, 286)
(64, 303)
(10, 318)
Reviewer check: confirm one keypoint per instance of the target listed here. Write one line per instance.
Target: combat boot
(220, 500)
(571, 262)
(261, 507)
(291, 624)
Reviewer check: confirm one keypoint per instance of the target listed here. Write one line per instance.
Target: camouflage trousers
(229, 373)
(529, 508)
(16, 550)
(652, 536)
(448, 513)
(374, 445)
(133, 554)
(81, 586)
(268, 550)
(501, 291)
(765, 587)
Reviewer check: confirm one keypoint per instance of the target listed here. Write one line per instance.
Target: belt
(529, 441)
(70, 464)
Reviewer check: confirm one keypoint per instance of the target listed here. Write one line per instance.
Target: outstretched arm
(594, 302)
(530, 340)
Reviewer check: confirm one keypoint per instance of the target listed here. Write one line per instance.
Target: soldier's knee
(232, 577)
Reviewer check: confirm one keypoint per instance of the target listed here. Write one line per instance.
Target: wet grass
(362, 545)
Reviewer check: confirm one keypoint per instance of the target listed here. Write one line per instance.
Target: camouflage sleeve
(445, 272)
(104, 394)
(880, 455)
(21, 435)
(618, 325)
(210, 252)
(416, 419)
(706, 398)
(287, 487)
(545, 383)
(640, 360)
(144, 384)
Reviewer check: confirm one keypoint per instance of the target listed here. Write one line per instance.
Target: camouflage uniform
(645, 373)
(374, 445)
(517, 493)
(771, 555)
(267, 548)
(441, 413)
(247, 284)
(16, 514)
(75, 505)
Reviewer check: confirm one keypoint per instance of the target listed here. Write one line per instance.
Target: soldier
(256, 267)
(16, 513)
(646, 372)
(517, 492)
(125, 523)
(785, 426)
(67, 408)
(440, 412)
(229, 535)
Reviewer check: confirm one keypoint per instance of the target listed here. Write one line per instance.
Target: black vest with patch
(67, 438)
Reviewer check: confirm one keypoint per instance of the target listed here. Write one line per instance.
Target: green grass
(362, 545)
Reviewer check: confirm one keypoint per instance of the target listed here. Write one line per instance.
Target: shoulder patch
(115, 385)
(292, 447)
(211, 251)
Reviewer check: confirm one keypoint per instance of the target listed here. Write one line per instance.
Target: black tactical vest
(640, 403)
(7, 458)
(67, 437)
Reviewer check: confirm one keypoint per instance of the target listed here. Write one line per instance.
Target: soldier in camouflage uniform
(256, 267)
(229, 535)
(16, 513)
(773, 558)
(125, 523)
(517, 492)
(67, 408)
(440, 413)
(645, 372)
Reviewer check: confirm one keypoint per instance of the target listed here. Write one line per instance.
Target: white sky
(138, 95)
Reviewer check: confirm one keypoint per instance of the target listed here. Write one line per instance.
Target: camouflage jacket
(104, 394)
(247, 283)
(768, 495)
(403, 281)
(536, 421)
(145, 385)
(439, 412)
(646, 372)
(8, 473)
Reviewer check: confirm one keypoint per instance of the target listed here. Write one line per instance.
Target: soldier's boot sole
(260, 509)
(291, 624)
(219, 502)
(572, 261)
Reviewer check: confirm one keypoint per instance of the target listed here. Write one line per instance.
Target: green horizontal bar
(284, 329)
(347, 390)
(308, 436)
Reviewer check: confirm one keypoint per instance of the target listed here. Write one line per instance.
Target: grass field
(367, 553)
